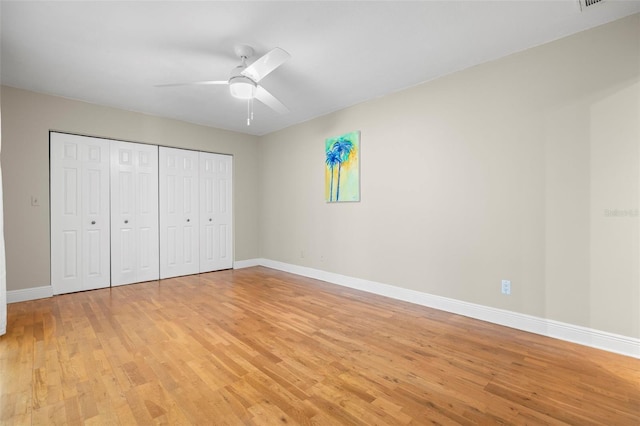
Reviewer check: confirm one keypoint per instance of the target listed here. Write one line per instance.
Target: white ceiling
(342, 53)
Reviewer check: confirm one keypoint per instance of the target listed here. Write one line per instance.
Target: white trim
(239, 264)
(33, 293)
(563, 331)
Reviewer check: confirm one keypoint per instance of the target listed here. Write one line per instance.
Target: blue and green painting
(342, 168)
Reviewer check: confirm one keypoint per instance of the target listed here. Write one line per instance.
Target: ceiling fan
(243, 81)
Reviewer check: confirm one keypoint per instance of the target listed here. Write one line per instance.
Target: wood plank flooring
(261, 347)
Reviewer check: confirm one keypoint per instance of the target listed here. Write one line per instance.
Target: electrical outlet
(506, 287)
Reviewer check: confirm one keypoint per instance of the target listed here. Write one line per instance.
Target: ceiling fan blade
(194, 83)
(269, 100)
(267, 63)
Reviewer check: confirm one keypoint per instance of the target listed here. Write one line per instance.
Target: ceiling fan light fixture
(242, 87)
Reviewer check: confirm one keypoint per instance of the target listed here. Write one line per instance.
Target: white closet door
(79, 213)
(216, 243)
(134, 213)
(179, 225)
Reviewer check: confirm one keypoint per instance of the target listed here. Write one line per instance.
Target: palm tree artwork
(333, 158)
(343, 148)
(342, 151)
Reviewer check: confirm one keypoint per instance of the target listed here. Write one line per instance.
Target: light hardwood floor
(258, 346)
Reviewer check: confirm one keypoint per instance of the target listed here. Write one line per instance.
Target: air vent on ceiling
(588, 3)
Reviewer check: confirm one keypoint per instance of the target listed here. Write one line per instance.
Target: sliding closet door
(179, 225)
(134, 213)
(79, 213)
(216, 248)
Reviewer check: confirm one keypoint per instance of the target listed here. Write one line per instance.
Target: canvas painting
(342, 168)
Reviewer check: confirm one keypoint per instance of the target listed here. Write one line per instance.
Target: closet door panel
(66, 229)
(79, 213)
(179, 239)
(147, 215)
(207, 227)
(216, 250)
(96, 207)
(134, 213)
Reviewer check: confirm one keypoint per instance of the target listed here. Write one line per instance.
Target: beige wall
(503, 171)
(28, 117)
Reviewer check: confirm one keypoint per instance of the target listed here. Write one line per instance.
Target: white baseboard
(33, 293)
(623, 345)
(245, 263)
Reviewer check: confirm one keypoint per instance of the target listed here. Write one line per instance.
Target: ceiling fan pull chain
(248, 112)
